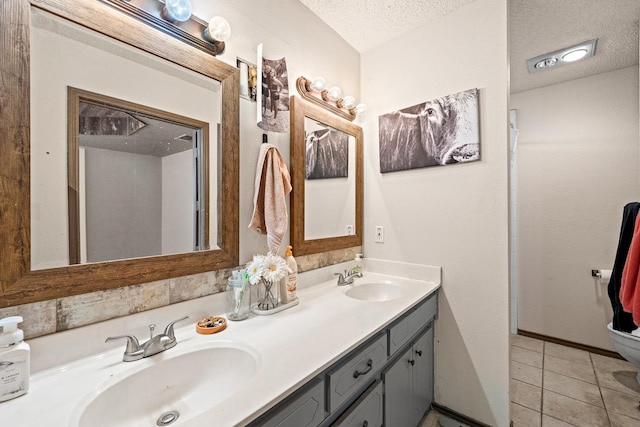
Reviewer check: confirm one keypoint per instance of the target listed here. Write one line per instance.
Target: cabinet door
(422, 375)
(398, 392)
(305, 410)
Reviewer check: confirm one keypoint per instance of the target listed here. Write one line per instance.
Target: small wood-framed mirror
(326, 170)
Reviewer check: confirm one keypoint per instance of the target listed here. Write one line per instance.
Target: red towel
(630, 289)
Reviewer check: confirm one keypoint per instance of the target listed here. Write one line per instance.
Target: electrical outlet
(379, 234)
(350, 231)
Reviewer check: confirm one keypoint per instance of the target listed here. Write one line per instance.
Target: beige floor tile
(611, 364)
(528, 357)
(571, 369)
(567, 353)
(526, 395)
(431, 420)
(524, 417)
(571, 387)
(621, 403)
(624, 381)
(528, 343)
(573, 411)
(619, 420)
(526, 373)
(548, 421)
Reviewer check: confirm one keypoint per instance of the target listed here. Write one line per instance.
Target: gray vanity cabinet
(386, 381)
(408, 383)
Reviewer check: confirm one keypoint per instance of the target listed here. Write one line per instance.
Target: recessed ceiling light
(575, 55)
(562, 56)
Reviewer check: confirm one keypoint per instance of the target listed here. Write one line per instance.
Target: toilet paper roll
(605, 276)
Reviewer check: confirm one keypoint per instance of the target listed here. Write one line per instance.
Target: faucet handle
(132, 342)
(168, 331)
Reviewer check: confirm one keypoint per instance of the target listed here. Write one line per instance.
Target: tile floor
(558, 386)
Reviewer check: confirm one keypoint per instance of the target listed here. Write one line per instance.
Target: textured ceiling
(536, 27)
(541, 26)
(366, 24)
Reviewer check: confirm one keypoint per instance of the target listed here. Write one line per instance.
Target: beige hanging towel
(273, 185)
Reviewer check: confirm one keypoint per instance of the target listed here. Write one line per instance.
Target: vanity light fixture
(175, 18)
(561, 57)
(331, 99)
(177, 10)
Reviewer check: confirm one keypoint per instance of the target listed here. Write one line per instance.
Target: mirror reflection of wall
(330, 181)
(140, 186)
(64, 54)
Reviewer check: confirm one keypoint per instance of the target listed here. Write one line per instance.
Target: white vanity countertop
(292, 347)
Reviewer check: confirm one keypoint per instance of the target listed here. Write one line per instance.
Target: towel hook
(264, 138)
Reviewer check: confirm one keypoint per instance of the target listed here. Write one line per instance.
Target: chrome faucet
(347, 277)
(156, 344)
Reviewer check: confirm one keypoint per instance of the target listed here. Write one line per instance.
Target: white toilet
(627, 345)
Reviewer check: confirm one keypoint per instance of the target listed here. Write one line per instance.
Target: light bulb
(334, 93)
(219, 29)
(348, 102)
(317, 84)
(178, 10)
(361, 109)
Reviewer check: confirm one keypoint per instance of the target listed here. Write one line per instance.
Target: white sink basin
(376, 291)
(189, 383)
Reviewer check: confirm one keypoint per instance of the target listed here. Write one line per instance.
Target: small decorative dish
(211, 325)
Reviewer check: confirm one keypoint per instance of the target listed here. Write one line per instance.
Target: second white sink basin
(376, 291)
(176, 388)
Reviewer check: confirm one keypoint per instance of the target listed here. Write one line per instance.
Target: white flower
(274, 268)
(255, 269)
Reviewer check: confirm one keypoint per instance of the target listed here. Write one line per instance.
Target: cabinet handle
(357, 373)
(365, 423)
(413, 362)
(419, 353)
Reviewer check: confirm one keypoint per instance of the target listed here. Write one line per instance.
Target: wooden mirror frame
(301, 109)
(20, 285)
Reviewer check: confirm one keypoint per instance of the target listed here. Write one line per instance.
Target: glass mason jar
(238, 299)
(267, 295)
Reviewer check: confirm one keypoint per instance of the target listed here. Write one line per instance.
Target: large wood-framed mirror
(326, 169)
(19, 282)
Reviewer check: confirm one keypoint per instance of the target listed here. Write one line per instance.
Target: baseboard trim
(560, 341)
(457, 416)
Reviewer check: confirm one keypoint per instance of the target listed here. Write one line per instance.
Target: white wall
(287, 29)
(178, 206)
(123, 220)
(577, 168)
(453, 216)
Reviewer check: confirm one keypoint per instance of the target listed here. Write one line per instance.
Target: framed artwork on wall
(438, 132)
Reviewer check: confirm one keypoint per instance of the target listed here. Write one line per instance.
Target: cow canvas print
(439, 132)
(327, 154)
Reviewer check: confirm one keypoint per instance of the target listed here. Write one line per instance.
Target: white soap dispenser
(14, 359)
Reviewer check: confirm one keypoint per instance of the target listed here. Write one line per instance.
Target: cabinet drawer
(356, 371)
(307, 409)
(366, 411)
(405, 328)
